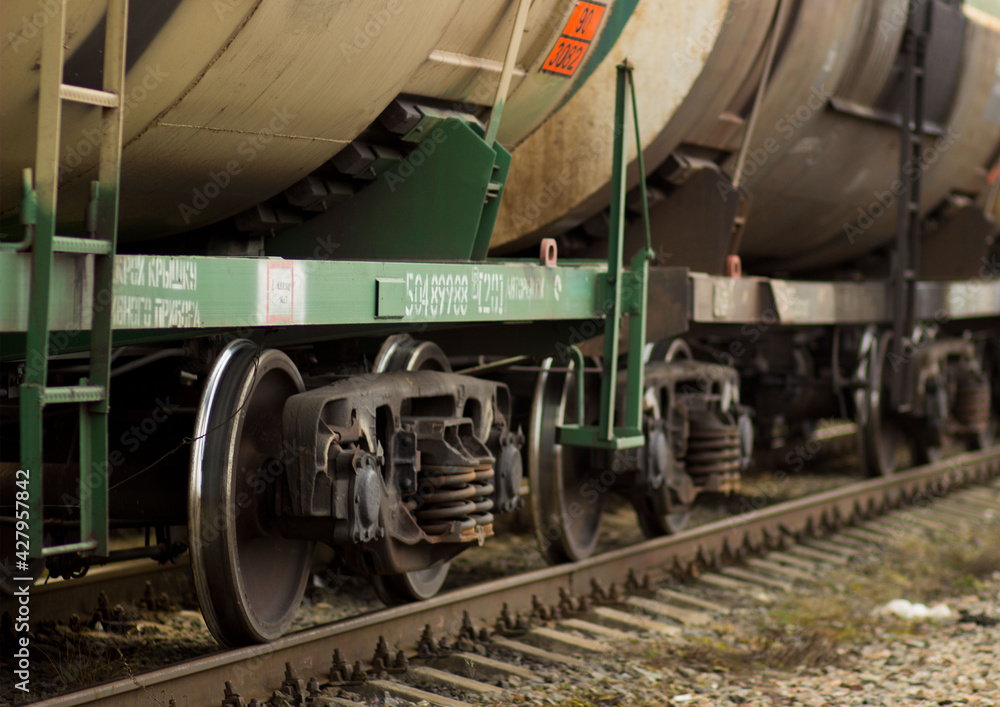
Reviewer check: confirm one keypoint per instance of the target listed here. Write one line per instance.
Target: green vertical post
(46, 187)
(612, 327)
(635, 383)
(86, 458)
(94, 470)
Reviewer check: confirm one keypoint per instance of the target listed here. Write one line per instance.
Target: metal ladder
(908, 226)
(39, 210)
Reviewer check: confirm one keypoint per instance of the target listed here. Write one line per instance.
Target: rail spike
(381, 660)
(339, 670)
(232, 698)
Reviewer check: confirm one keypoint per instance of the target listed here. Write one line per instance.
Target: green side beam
(155, 294)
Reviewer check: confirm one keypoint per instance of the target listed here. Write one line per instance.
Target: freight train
(277, 273)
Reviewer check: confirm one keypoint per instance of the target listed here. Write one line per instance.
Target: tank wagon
(282, 273)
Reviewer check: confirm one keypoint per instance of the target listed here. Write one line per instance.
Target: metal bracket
(626, 295)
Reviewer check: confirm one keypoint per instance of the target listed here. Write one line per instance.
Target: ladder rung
(91, 96)
(67, 244)
(73, 394)
(72, 547)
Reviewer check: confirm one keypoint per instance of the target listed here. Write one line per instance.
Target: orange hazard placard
(566, 57)
(572, 46)
(584, 21)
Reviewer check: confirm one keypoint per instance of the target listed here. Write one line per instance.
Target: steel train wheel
(662, 513)
(879, 433)
(656, 515)
(567, 499)
(402, 353)
(250, 579)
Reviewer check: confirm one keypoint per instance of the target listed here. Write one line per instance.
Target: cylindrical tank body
(823, 158)
(828, 187)
(690, 61)
(230, 102)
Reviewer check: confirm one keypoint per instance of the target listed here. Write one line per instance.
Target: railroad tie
(930, 522)
(561, 641)
(734, 585)
(828, 546)
(950, 516)
(667, 595)
(816, 554)
(892, 530)
(758, 579)
(378, 689)
(423, 673)
(473, 665)
(780, 569)
(341, 702)
(989, 496)
(866, 535)
(687, 617)
(793, 561)
(982, 504)
(596, 630)
(847, 541)
(621, 619)
(978, 507)
(537, 654)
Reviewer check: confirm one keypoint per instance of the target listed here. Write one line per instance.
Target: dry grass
(823, 626)
(918, 570)
(777, 648)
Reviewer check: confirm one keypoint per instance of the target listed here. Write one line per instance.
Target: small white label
(280, 292)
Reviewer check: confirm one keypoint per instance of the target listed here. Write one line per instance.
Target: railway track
(127, 582)
(58, 599)
(762, 549)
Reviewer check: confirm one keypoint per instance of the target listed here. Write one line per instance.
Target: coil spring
(972, 401)
(712, 449)
(453, 494)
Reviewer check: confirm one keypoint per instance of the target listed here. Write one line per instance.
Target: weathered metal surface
(943, 301)
(231, 102)
(770, 301)
(434, 196)
(846, 186)
(204, 293)
(562, 172)
(822, 181)
(761, 300)
(258, 670)
(157, 292)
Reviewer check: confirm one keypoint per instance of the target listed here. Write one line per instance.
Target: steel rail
(257, 670)
(58, 599)
(121, 582)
